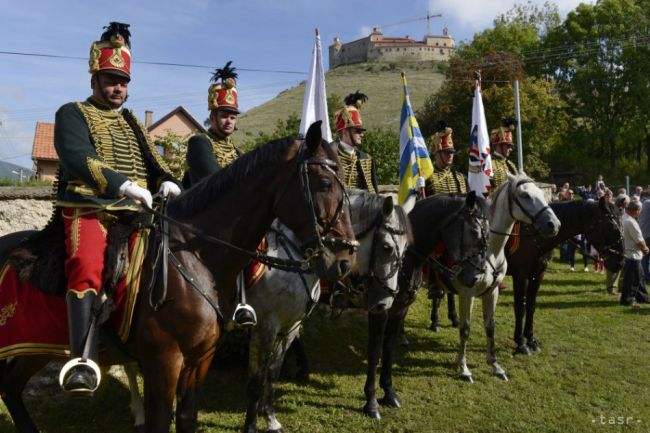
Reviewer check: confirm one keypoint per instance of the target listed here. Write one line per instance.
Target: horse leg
(189, 386)
(161, 374)
(302, 363)
(520, 284)
(394, 324)
(14, 375)
(466, 304)
(489, 309)
(435, 306)
(451, 310)
(376, 329)
(268, 403)
(531, 297)
(137, 406)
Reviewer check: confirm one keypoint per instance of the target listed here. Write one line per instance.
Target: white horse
(518, 199)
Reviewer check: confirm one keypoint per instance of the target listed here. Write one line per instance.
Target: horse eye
(326, 184)
(386, 246)
(525, 195)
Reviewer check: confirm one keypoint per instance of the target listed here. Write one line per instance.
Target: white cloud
(15, 141)
(471, 15)
(364, 31)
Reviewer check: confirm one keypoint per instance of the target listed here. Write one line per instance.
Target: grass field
(591, 376)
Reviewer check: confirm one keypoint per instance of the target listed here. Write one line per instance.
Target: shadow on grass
(577, 304)
(576, 282)
(564, 292)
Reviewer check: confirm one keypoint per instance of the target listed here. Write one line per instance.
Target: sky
(274, 37)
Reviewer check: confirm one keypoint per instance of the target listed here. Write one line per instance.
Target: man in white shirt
(634, 289)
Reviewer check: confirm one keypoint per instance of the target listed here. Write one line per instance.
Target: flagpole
(420, 191)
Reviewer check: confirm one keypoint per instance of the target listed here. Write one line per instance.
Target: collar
(347, 148)
(218, 135)
(95, 103)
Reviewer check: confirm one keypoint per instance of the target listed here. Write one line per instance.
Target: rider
(358, 167)
(210, 152)
(107, 165)
(502, 148)
(444, 179)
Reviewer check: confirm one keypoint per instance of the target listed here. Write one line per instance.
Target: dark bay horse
(461, 225)
(292, 180)
(599, 221)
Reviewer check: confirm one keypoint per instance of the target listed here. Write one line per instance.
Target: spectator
(644, 224)
(600, 183)
(637, 192)
(621, 191)
(634, 289)
(612, 280)
(586, 193)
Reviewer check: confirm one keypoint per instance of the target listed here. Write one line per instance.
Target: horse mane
(364, 208)
(438, 205)
(213, 187)
(583, 209)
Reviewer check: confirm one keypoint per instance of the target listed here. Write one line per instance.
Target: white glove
(170, 189)
(419, 183)
(136, 192)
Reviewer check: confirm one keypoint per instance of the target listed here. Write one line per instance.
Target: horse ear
(388, 206)
(313, 137)
(470, 200)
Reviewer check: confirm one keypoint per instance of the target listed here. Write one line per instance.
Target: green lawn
(593, 370)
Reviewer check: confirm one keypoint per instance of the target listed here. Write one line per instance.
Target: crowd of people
(630, 282)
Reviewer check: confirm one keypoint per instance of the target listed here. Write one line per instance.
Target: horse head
(605, 233)
(316, 207)
(526, 203)
(465, 237)
(383, 231)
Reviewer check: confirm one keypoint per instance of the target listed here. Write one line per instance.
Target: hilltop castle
(378, 48)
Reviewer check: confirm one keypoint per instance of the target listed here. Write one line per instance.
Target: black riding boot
(81, 378)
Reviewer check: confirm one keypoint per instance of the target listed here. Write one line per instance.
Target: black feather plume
(355, 97)
(442, 126)
(509, 121)
(114, 29)
(222, 74)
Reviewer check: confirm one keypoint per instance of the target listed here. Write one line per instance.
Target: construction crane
(414, 19)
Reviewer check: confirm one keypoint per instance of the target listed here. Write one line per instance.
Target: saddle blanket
(35, 323)
(513, 241)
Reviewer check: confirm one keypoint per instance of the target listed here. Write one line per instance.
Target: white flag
(480, 161)
(314, 106)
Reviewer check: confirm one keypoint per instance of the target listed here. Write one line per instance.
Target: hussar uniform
(501, 166)
(210, 152)
(101, 150)
(359, 169)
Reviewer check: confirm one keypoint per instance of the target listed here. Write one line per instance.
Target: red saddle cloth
(513, 242)
(254, 271)
(33, 322)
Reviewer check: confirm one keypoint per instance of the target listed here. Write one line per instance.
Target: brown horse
(292, 180)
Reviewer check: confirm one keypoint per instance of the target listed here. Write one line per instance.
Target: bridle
(514, 200)
(395, 264)
(609, 249)
(321, 239)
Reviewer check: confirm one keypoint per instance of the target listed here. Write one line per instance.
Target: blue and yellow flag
(414, 160)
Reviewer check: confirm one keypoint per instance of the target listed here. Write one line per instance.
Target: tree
(174, 148)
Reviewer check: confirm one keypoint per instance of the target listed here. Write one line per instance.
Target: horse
(283, 300)
(599, 221)
(461, 225)
(214, 229)
(517, 199)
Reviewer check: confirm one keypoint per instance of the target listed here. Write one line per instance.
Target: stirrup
(79, 362)
(249, 319)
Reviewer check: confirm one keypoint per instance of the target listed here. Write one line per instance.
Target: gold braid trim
(366, 169)
(446, 181)
(95, 167)
(349, 164)
(116, 143)
(224, 150)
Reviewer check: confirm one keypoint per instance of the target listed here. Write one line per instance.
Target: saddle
(40, 258)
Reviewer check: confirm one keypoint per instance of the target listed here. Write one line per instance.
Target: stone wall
(24, 208)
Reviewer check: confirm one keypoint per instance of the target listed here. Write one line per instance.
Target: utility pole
(19, 173)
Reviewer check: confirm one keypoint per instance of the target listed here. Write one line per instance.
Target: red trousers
(85, 241)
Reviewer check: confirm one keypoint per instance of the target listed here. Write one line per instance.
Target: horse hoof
(371, 412)
(454, 322)
(522, 349)
(434, 327)
(534, 346)
(503, 376)
(466, 378)
(390, 401)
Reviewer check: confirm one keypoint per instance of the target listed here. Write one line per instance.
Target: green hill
(381, 82)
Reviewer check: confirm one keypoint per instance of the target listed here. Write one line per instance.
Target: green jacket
(207, 154)
(99, 149)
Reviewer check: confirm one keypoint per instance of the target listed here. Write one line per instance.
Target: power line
(180, 65)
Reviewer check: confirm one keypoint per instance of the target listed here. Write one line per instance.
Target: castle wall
(352, 52)
(408, 54)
